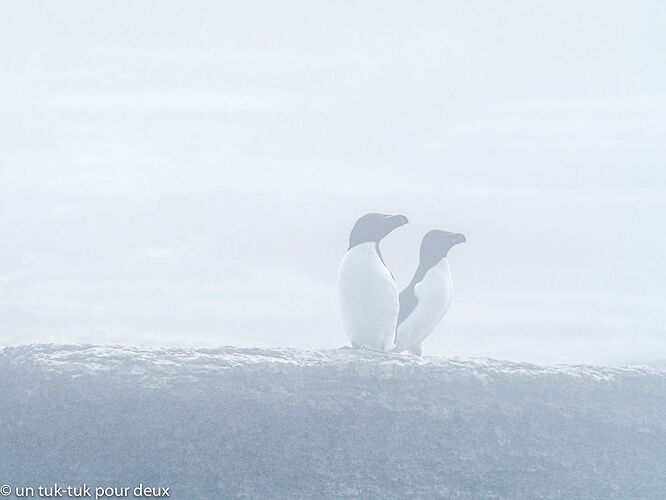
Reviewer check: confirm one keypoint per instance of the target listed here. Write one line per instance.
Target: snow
(276, 423)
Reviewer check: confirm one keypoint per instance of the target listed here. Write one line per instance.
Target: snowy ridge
(156, 361)
(229, 422)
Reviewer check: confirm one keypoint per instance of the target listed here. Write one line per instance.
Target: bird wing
(408, 302)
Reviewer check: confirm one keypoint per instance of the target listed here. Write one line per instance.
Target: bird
(425, 301)
(367, 292)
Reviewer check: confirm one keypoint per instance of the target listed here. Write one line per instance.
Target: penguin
(367, 293)
(426, 299)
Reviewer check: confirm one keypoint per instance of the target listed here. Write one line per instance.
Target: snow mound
(277, 423)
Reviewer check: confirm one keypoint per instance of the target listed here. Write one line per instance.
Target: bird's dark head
(373, 227)
(436, 245)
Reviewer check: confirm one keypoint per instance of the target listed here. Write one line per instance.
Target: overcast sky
(188, 172)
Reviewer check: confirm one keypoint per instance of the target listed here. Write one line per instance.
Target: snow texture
(275, 423)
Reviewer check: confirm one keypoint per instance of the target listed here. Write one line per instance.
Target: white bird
(367, 293)
(428, 296)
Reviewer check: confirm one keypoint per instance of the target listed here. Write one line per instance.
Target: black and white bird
(428, 296)
(367, 293)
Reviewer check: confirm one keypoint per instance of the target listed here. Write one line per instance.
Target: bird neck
(356, 240)
(422, 270)
(379, 252)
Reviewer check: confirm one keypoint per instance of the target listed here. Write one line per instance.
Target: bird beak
(398, 220)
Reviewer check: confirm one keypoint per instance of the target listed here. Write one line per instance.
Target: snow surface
(273, 423)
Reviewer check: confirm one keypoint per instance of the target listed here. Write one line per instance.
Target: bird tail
(416, 350)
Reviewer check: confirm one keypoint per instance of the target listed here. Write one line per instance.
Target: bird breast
(368, 297)
(434, 294)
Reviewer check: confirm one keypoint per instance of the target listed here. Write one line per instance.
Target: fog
(188, 173)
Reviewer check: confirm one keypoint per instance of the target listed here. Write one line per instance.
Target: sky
(187, 173)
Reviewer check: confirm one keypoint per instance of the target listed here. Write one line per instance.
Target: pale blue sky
(188, 172)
